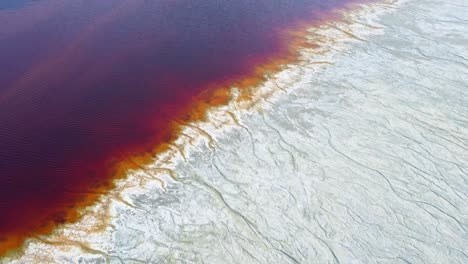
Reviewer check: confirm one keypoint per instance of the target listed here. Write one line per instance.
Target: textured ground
(363, 160)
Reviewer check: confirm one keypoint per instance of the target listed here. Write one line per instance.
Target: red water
(86, 85)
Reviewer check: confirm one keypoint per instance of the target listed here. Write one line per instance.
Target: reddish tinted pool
(86, 85)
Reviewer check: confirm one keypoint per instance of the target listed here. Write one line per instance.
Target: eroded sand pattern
(358, 154)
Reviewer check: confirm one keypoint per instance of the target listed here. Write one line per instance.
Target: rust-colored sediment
(193, 108)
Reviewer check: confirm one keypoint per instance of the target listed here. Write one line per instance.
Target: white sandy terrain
(358, 155)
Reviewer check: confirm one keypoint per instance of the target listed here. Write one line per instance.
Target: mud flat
(358, 154)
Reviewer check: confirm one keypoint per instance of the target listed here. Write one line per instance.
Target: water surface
(85, 85)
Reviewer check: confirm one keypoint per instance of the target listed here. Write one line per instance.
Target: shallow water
(13, 4)
(85, 85)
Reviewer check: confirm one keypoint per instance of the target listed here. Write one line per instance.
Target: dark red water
(87, 84)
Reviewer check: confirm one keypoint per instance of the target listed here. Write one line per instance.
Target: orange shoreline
(213, 96)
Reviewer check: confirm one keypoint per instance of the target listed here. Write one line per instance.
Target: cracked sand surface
(361, 156)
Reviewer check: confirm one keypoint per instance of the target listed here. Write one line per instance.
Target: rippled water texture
(12, 4)
(87, 84)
